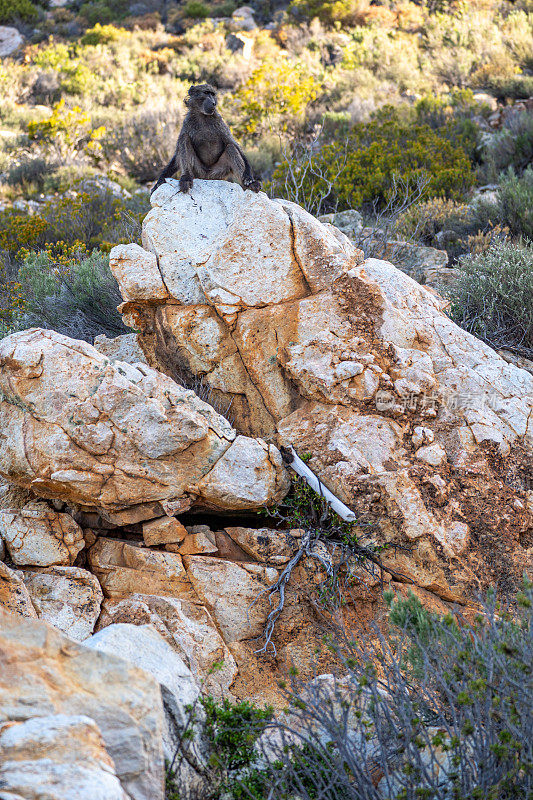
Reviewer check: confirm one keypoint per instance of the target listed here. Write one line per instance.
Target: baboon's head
(202, 98)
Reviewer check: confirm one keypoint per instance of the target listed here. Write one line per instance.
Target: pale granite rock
(14, 595)
(39, 536)
(107, 435)
(59, 757)
(69, 598)
(46, 672)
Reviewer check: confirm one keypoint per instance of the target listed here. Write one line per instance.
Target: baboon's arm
(190, 164)
(241, 165)
(168, 172)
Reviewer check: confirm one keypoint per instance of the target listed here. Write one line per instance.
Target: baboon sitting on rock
(206, 148)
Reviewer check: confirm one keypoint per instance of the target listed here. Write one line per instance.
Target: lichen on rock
(347, 365)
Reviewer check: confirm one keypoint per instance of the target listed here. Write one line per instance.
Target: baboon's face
(204, 100)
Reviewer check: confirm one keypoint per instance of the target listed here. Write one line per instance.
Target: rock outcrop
(143, 646)
(109, 435)
(421, 428)
(116, 467)
(69, 598)
(59, 757)
(44, 672)
(10, 41)
(39, 536)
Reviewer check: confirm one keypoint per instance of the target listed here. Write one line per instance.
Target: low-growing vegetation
(337, 104)
(493, 298)
(419, 116)
(438, 709)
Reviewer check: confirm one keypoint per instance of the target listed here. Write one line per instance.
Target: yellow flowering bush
(67, 132)
(277, 91)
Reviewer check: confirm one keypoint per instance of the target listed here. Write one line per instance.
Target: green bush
(346, 12)
(104, 11)
(445, 224)
(493, 298)
(143, 144)
(450, 116)
(102, 34)
(515, 87)
(230, 733)
(516, 203)
(512, 146)
(513, 207)
(436, 711)
(11, 10)
(376, 151)
(196, 10)
(30, 174)
(70, 290)
(95, 217)
(424, 220)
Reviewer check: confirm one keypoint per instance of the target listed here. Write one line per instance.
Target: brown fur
(206, 148)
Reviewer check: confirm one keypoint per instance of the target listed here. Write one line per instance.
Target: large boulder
(43, 672)
(59, 757)
(143, 646)
(187, 626)
(421, 428)
(109, 435)
(10, 41)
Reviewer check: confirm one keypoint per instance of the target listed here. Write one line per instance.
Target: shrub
(439, 711)
(144, 143)
(195, 10)
(18, 230)
(518, 32)
(391, 56)
(230, 733)
(96, 218)
(104, 11)
(346, 12)
(11, 295)
(425, 220)
(512, 146)
(377, 151)
(513, 206)
(30, 174)
(103, 34)
(493, 298)
(66, 132)
(70, 290)
(278, 91)
(461, 43)
(516, 203)
(74, 74)
(445, 224)
(11, 10)
(515, 87)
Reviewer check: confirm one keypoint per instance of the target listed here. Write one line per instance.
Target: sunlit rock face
(420, 427)
(109, 435)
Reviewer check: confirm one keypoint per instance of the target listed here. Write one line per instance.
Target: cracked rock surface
(109, 435)
(349, 362)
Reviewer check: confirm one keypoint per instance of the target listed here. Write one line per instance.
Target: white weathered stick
(315, 483)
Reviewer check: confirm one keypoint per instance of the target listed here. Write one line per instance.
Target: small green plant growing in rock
(230, 732)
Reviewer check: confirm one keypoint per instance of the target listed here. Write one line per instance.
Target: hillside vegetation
(401, 110)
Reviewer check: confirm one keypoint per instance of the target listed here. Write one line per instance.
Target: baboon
(206, 148)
